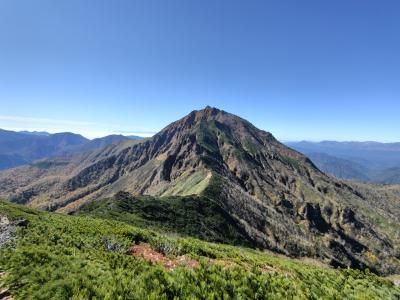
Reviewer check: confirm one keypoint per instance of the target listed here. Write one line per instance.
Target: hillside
(273, 194)
(385, 176)
(339, 167)
(372, 154)
(54, 256)
(190, 216)
(363, 161)
(21, 148)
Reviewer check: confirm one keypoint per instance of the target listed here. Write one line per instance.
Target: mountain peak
(195, 117)
(211, 110)
(280, 200)
(207, 113)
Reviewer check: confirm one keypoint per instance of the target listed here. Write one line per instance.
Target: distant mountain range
(362, 161)
(20, 148)
(40, 133)
(233, 180)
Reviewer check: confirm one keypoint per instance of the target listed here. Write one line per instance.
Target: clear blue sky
(301, 69)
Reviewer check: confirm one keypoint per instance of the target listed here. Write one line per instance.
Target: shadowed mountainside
(191, 216)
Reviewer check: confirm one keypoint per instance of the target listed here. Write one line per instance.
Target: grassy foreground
(77, 257)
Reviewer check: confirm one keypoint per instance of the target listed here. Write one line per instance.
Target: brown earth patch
(145, 251)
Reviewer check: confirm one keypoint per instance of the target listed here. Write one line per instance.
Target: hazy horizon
(150, 134)
(98, 134)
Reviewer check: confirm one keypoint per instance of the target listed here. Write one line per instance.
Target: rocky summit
(277, 198)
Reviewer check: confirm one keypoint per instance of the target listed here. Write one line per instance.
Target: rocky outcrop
(8, 229)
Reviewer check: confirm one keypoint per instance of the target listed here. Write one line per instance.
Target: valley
(360, 161)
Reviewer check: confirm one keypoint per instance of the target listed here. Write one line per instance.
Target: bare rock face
(275, 194)
(7, 230)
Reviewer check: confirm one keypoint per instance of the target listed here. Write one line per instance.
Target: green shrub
(66, 257)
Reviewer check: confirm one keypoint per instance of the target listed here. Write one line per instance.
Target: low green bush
(77, 257)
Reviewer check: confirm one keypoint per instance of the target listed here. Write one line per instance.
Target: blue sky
(310, 70)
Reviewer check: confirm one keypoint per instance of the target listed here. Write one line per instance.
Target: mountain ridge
(281, 200)
(24, 147)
